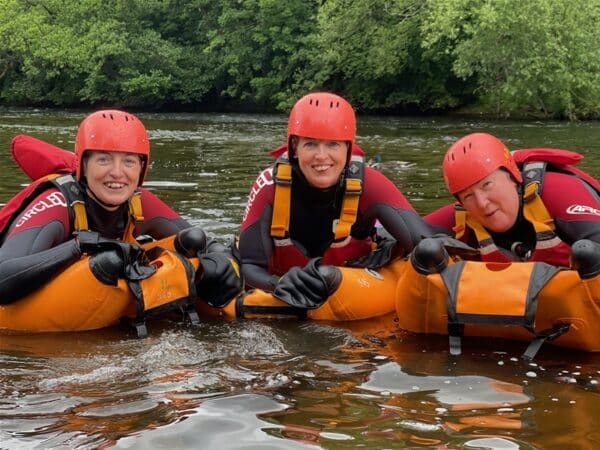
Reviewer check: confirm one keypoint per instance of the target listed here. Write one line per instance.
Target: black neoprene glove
(218, 279)
(308, 287)
(112, 259)
(387, 250)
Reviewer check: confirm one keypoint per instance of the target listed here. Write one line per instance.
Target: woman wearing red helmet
(530, 205)
(317, 207)
(54, 222)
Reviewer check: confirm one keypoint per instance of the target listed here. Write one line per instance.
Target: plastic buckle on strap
(353, 186)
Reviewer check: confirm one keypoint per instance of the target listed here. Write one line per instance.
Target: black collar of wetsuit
(320, 198)
(110, 224)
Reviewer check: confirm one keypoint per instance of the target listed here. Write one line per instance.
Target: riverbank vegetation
(501, 57)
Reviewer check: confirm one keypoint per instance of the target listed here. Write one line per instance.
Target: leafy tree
(261, 47)
(538, 55)
(371, 50)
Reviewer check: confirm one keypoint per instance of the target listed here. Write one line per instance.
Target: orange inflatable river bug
(362, 294)
(75, 300)
(528, 301)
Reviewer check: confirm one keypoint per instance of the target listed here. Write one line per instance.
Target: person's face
(321, 161)
(112, 177)
(493, 201)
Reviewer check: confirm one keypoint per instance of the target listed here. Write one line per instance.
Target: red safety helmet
(474, 157)
(322, 115)
(112, 131)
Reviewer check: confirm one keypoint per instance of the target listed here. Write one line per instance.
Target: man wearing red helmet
(101, 207)
(317, 207)
(530, 205)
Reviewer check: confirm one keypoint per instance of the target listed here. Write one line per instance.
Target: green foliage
(538, 56)
(260, 48)
(371, 50)
(535, 56)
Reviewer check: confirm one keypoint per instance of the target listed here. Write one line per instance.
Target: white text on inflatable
(264, 179)
(53, 199)
(583, 209)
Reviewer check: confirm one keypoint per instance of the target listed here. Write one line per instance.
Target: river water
(288, 384)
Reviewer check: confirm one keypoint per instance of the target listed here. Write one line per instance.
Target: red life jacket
(345, 247)
(549, 247)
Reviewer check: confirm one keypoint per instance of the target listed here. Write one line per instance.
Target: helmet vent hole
(317, 103)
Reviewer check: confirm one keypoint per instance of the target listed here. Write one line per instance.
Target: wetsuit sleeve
(255, 243)
(35, 249)
(256, 247)
(23, 275)
(574, 205)
(382, 200)
(159, 219)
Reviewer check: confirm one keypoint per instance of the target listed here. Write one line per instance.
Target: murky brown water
(280, 384)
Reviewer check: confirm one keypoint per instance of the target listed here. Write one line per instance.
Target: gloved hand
(454, 247)
(218, 278)
(309, 286)
(122, 259)
(387, 250)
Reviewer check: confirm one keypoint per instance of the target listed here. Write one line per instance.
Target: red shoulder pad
(356, 150)
(38, 158)
(276, 153)
(551, 155)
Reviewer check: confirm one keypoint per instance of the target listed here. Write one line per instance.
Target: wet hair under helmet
(473, 157)
(112, 131)
(322, 115)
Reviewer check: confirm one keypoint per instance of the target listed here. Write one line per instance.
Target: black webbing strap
(544, 336)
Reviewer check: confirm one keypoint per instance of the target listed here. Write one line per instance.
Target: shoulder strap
(282, 175)
(353, 189)
(135, 216)
(71, 190)
(534, 209)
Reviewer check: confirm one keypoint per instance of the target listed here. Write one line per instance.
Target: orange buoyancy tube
(507, 300)
(362, 294)
(76, 300)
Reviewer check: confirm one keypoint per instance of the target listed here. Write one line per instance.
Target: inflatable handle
(429, 256)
